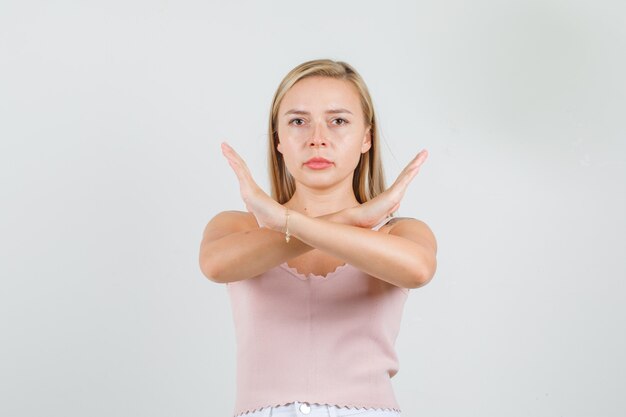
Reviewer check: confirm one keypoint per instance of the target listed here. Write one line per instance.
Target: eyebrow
(331, 111)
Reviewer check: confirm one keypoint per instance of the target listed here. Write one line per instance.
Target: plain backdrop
(111, 115)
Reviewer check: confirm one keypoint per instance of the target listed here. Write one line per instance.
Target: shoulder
(229, 221)
(413, 229)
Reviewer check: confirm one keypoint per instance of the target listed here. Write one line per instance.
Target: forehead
(317, 94)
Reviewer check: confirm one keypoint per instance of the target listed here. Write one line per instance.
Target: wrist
(344, 216)
(285, 228)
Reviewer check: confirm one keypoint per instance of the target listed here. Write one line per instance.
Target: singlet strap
(382, 223)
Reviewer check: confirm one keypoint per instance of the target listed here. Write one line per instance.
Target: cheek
(348, 158)
(289, 156)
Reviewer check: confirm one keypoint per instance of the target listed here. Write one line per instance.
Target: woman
(318, 273)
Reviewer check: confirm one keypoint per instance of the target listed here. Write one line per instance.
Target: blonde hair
(369, 179)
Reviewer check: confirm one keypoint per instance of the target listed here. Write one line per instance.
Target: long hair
(369, 179)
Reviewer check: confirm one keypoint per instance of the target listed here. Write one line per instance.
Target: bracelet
(287, 235)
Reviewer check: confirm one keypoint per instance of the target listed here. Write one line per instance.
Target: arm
(232, 250)
(405, 257)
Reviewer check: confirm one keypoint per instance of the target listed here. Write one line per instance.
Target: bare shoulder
(227, 222)
(413, 229)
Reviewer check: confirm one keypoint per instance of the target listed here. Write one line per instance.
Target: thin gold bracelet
(287, 235)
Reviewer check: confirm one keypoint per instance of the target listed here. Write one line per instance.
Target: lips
(318, 160)
(318, 163)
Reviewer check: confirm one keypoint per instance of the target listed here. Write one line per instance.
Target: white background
(111, 115)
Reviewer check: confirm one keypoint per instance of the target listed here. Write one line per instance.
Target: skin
(324, 212)
(338, 137)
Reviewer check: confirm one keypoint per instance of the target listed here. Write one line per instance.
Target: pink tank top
(325, 340)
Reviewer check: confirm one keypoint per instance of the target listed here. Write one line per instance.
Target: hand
(375, 210)
(268, 212)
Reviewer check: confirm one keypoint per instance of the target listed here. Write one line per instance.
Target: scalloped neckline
(302, 276)
(339, 268)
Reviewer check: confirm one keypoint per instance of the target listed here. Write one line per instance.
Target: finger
(237, 171)
(410, 171)
(414, 166)
(246, 181)
(419, 159)
(232, 161)
(411, 174)
(230, 152)
(419, 162)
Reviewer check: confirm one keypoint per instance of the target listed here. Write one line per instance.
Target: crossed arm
(405, 257)
(233, 249)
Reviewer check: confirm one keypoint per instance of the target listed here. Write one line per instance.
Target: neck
(315, 204)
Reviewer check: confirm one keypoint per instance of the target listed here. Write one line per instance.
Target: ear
(278, 147)
(367, 141)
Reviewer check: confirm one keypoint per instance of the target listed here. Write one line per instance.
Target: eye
(344, 121)
(293, 120)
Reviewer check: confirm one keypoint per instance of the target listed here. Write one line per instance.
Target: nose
(319, 136)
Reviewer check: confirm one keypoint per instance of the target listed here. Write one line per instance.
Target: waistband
(304, 409)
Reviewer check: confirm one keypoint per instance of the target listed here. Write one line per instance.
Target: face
(322, 117)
